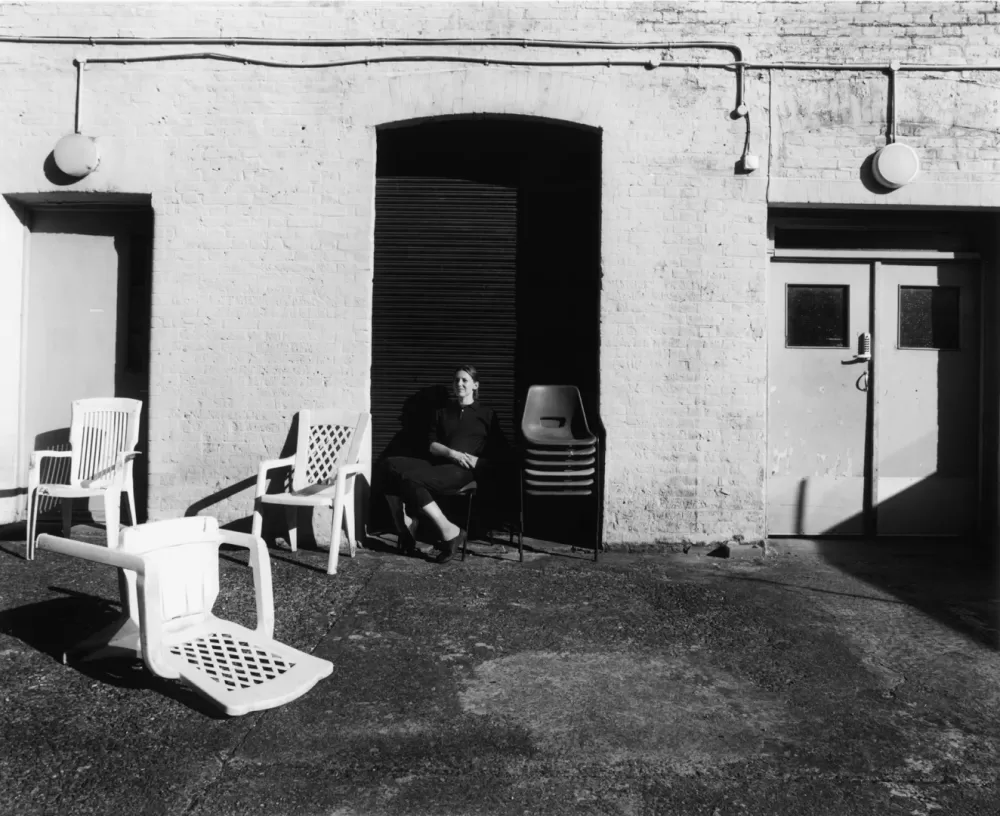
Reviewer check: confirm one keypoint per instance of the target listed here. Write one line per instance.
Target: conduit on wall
(739, 66)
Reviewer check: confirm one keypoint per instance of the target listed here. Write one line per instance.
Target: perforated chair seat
(171, 582)
(235, 668)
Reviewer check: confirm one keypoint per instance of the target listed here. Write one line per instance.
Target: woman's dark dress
(466, 428)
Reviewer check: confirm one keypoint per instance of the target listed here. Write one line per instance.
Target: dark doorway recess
(88, 320)
(487, 252)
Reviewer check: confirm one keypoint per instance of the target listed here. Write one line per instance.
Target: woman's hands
(466, 460)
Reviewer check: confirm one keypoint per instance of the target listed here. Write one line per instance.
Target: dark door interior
(508, 282)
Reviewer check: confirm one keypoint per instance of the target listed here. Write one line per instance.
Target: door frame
(875, 257)
(27, 208)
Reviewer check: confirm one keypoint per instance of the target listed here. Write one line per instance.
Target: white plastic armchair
(172, 575)
(323, 470)
(103, 434)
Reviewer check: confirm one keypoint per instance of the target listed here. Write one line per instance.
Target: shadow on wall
(868, 180)
(274, 524)
(279, 480)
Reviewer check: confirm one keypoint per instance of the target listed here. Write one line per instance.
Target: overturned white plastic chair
(103, 434)
(171, 584)
(324, 465)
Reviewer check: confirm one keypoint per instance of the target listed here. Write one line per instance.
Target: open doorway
(487, 252)
(86, 325)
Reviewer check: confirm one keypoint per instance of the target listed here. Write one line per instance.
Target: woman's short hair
(471, 371)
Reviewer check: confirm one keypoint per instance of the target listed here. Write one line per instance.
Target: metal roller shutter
(444, 294)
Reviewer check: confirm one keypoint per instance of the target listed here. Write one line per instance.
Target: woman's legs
(446, 528)
(414, 481)
(391, 476)
(405, 526)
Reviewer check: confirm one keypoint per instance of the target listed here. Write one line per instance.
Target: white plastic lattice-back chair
(324, 465)
(172, 575)
(103, 434)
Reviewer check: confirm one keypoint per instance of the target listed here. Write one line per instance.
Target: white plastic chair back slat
(99, 432)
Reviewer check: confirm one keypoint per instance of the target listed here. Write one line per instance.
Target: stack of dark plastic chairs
(560, 455)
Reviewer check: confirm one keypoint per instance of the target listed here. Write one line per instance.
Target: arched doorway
(487, 251)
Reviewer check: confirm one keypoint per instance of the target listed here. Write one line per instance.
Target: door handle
(864, 354)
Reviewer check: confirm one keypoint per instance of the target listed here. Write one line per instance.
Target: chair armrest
(37, 456)
(265, 466)
(260, 562)
(92, 552)
(344, 471)
(124, 459)
(147, 590)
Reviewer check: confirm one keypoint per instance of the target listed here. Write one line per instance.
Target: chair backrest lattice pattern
(328, 448)
(233, 663)
(100, 430)
(326, 441)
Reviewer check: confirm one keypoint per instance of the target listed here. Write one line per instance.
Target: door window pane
(928, 317)
(817, 316)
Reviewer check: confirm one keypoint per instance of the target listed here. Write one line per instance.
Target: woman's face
(464, 386)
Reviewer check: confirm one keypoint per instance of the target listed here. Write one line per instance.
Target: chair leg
(292, 519)
(29, 542)
(520, 528)
(112, 516)
(258, 519)
(66, 506)
(338, 521)
(597, 521)
(130, 492)
(352, 546)
(468, 525)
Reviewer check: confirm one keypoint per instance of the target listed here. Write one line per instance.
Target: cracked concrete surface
(821, 679)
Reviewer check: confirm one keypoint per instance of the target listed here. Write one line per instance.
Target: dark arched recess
(487, 251)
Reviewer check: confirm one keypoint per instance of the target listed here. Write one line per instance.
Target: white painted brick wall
(262, 182)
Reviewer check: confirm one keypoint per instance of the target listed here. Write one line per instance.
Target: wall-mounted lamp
(895, 164)
(75, 154)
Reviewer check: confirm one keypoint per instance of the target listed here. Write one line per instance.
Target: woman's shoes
(450, 547)
(407, 544)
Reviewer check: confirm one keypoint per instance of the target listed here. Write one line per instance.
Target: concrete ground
(822, 678)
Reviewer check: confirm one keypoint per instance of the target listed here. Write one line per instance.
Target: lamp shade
(895, 164)
(76, 155)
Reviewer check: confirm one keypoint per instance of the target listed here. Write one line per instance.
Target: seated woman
(462, 431)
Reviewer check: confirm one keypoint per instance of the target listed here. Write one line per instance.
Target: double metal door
(873, 398)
